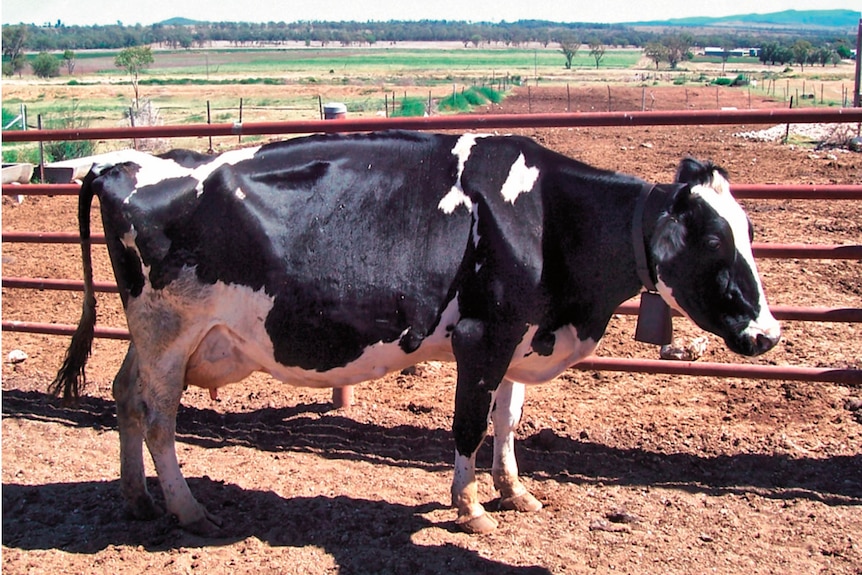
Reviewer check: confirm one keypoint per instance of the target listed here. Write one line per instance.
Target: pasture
(638, 473)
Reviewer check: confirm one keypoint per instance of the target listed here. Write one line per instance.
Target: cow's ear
(670, 232)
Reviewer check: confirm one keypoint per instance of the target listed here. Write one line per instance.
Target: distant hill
(788, 19)
(180, 22)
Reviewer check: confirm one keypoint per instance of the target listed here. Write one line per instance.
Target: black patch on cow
(588, 264)
(187, 158)
(543, 342)
(130, 274)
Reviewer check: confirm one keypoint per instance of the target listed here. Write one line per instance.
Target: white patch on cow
(666, 294)
(520, 180)
(230, 158)
(155, 170)
(129, 238)
(152, 170)
(722, 201)
(456, 196)
(239, 194)
(529, 367)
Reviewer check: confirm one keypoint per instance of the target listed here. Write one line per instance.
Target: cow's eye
(713, 243)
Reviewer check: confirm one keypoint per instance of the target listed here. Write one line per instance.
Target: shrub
(475, 97)
(58, 150)
(491, 94)
(722, 82)
(45, 65)
(740, 80)
(410, 107)
(454, 103)
(470, 97)
(21, 154)
(8, 116)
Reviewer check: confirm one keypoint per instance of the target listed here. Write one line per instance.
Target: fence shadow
(543, 456)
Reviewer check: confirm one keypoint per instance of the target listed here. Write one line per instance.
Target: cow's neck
(601, 268)
(651, 202)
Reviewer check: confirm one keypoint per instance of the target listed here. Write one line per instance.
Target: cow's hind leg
(162, 388)
(506, 415)
(130, 421)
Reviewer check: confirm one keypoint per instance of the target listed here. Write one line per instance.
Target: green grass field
(321, 62)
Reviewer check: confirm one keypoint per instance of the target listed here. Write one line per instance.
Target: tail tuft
(71, 377)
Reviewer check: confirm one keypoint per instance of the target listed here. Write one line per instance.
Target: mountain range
(788, 19)
(845, 20)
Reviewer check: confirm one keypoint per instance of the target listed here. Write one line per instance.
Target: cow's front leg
(478, 376)
(161, 392)
(506, 415)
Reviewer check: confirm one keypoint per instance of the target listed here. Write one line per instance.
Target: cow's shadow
(362, 536)
(542, 456)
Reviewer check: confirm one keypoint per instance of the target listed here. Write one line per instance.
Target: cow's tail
(71, 377)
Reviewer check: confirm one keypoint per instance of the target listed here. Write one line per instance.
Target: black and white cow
(329, 260)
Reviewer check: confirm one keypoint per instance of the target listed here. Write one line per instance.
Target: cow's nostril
(764, 343)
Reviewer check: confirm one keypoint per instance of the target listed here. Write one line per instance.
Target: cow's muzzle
(756, 340)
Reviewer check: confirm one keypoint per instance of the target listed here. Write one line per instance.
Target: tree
(657, 52)
(69, 60)
(802, 50)
(14, 41)
(843, 50)
(597, 50)
(767, 52)
(45, 65)
(569, 46)
(678, 46)
(134, 60)
(825, 55)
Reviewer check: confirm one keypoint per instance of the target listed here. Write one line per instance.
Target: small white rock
(16, 356)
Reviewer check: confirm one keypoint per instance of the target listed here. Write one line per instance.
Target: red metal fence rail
(506, 121)
(463, 122)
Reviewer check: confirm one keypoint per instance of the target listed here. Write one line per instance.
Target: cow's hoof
(477, 525)
(144, 508)
(524, 503)
(207, 526)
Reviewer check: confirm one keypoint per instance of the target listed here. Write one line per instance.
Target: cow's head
(704, 263)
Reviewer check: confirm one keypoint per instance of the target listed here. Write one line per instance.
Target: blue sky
(88, 12)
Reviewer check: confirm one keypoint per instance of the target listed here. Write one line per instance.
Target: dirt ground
(638, 474)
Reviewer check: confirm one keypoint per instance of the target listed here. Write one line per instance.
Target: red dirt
(638, 474)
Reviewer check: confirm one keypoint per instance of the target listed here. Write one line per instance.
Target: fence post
(132, 123)
(239, 137)
(209, 121)
(41, 151)
(857, 99)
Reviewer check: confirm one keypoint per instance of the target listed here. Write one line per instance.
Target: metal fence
(504, 121)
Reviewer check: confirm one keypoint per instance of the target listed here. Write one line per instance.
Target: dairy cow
(329, 260)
